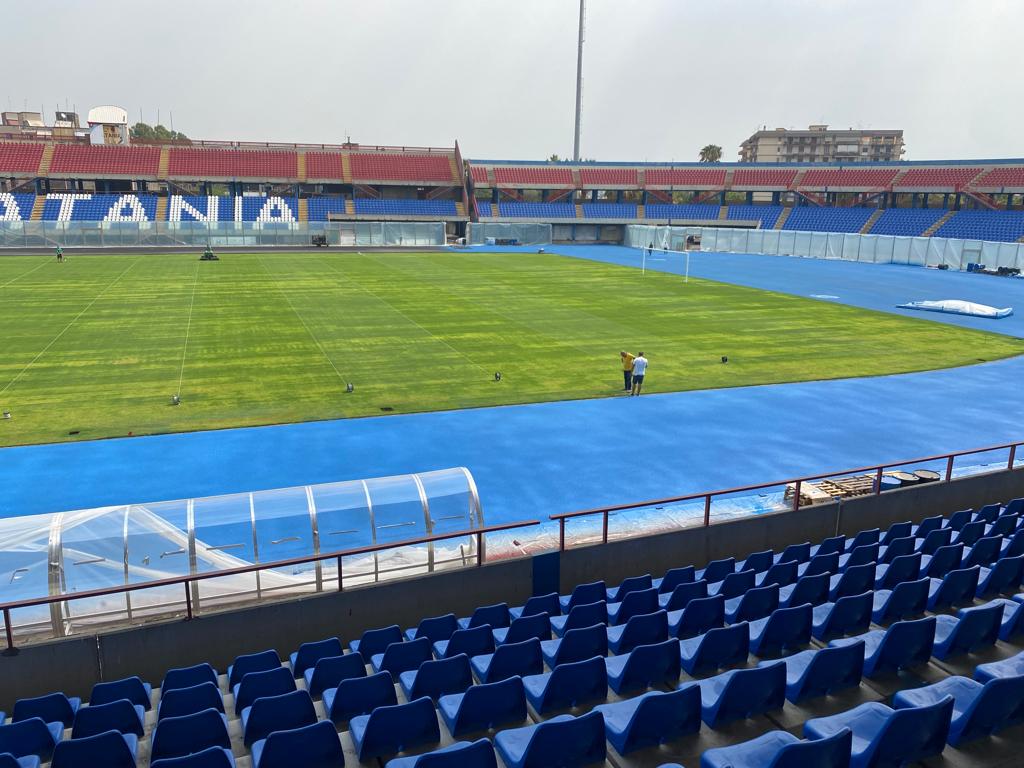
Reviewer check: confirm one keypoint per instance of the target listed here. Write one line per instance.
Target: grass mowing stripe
(25, 274)
(188, 329)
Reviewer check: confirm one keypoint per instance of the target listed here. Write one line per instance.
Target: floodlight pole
(579, 85)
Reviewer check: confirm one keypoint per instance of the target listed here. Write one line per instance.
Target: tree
(710, 153)
(554, 159)
(156, 133)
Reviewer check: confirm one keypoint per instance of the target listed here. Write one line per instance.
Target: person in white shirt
(639, 369)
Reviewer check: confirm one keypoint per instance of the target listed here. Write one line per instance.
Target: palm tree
(711, 153)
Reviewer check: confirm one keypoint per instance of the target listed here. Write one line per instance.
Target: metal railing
(876, 469)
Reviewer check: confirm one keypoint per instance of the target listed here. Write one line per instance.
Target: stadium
(343, 454)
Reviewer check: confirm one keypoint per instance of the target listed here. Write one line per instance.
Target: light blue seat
(633, 604)
(178, 702)
(316, 744)
(632, 584)
(471, 642)
(682, 594)
(973, 628)
(548, 604)
(592, 592)
(639, 630)
(742, 693)
(437, 677)
(359, 696)
(484, 707)
(251, 662)
(121, 716)
(753, 604)
(955, 588)
(510, 660)
(644, 666)
(276, 713)
(331, 670)
(905, 600)
(568, 685)
(979, 709)
(846, 616)
(392, 729)
(256, 684)
(814, 673)
(715, 649)
(213, 757)
(32, 737)
(780, 749)
(904, 644)
(462, 754)
(131, 688)
(401, 657)
(579, 616)
(673, 578)
(564, 741)
(180, 736)
(434, 628)
(784, 629)
(699, 616)
(496, 616)
(651, 718)
(376, 641)
(110, 749)
(187, 677)
(576, 645)
(51, 708)
(536, 625)
(309, 654)
(807, 589)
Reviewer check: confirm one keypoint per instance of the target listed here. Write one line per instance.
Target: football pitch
(96, 347)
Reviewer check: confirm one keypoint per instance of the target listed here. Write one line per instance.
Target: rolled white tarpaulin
(959, 307)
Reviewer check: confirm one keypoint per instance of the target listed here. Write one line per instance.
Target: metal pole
(579, 85)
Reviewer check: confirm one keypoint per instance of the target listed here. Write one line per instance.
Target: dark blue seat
(903, 601)
(807, 589)
(930, 544)
(758, 562)
(1002, 578)
(824, 563)
(633, 604)
(846, 616)
(929, 524)
(331, 670)
(564, 741)
(1012, 622)
(316, 744)
(644, 666)
(548, 604)
(897, 531)
(742, 693)
(581, 595)
(984, 552)
(31, 737)
(867, 553)
(753, 604)
(1013, 545)
(251, 662)
(970, 533)
(988, 513)
(831, 545)
(652, 718)
(682, 594)
(904, 644)
(255, 684)
(784, 629)
(947, 558)
(496, 616)
(673, 578)
(186, 677)
(568, 685)
(1014, 507)
(632, 584)
(131, 688)
(780, 574)
(435, 628)
(536, 625)
(795, 553)
(401, 657)
(213, 757)
(576, 645)
(959, 519)
(471, 642)
(697, 617)
(509, 660)
(979, 709)
(733, 585)
(853, 581)
(462, 754)
(180, 736)
(51, 708)
(973, 628)
(644, 629)
(1011, 667)
(1003, 526)
(903, 568)
(579, 616)
(276, 713)
(187, 701)
(716, 570)
(110, 749)
(898, 548)
(435, 678)
(376, 641)
(8, 760)
(883, 736)
(484, 707)
(814, 673)
(310, 653)
(121, 716)
(715, 649)
(780, 749)
(862, 539)
(955, 588)
(359, 696)
(392, 729)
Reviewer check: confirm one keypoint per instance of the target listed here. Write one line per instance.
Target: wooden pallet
(827, 490)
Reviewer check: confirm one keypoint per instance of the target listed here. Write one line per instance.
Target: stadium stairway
(798, 180)
(346, 168)
(779, 222)
(579, 212)
(165, 159)
(350, 206)
(37, 208)
(301, 170)
(460, 209)
(456, 176)
(640, 211)
(46, 159)
(303, 203)
(935, 227)
(161, 208)
(870, 222)
(723, 212)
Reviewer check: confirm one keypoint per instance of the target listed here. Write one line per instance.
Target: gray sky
(661, 77)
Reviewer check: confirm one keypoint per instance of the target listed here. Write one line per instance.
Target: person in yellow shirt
(627, 369)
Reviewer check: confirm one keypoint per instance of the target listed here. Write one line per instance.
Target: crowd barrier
(477, 233)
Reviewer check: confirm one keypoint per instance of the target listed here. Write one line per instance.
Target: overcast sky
(661, 77)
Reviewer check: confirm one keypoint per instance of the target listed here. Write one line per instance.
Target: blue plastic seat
(824, 563)
(331, 670)
(1011, 667)
(973, 628)
(484, 707)
(784, 629)
(180, 736)
(579, 616)
(536, 625)
(644, 629)
(955, 588)
(1002, 578)
(884, 736)
(632, 584)
(697, 617)
(1013, 545)
(564, 741)
(471, 642)
(581, 595)
(548, 604)
(310, 653)
(435, 678)
(988, 513)
(496, 616)
(742, 693)
(903, 601)
(131, 688)
(866, 553)
(846, 616)
(673, 578)
(110, 749)
(509, 660)
(682, 594)
(984, 552)
(854, 581)
(392, 729)
(8, 760)
(758, 562)
(807, 589)
(832, 545)
(359, 696)
(633, 604)
(1002, 526)
(644, 666)
(715, 649)
(213, 757)
(979, 709)
(902, 568)
(186, 677)
(435, 628)
(187, 701)
(31, 737)
(898, 548)
(959, 519)
(376, 641)
(896, 532)
(780, 749)
(462, 754)
(716, 570)
(652, 718)
(904, 644)
(1014, 507)
(863, 538)
(780, 574)
(255, 684)
(51, 708)
(929, 524)
(970, 533)
(940, 537)
(251, 662)
(568, 685)
(814, 673)
(1012, 622)
(753, 604)
(576, 645)
(316, 744)
(401, 657)
(733, 585)
(276, 713)
(946, 559)
(121, 716)
(795, 553)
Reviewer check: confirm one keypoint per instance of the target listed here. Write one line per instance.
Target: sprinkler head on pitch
(175, 400)
(725, 359)
(497, 375)
(350, 387)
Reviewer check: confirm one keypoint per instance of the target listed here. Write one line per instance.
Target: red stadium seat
(20, 157)
(324, 165)
(937, 177)
(848, 177)
(763, 177)
(233, 163)
(615, 176)
(686, 177)
(118, 161)
(1002, 177)
(401, 167)
(527, 174)
(479, 174)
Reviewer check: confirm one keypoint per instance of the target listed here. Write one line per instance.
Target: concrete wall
(72, 665)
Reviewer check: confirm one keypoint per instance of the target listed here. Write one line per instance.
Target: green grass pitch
(97, 346)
